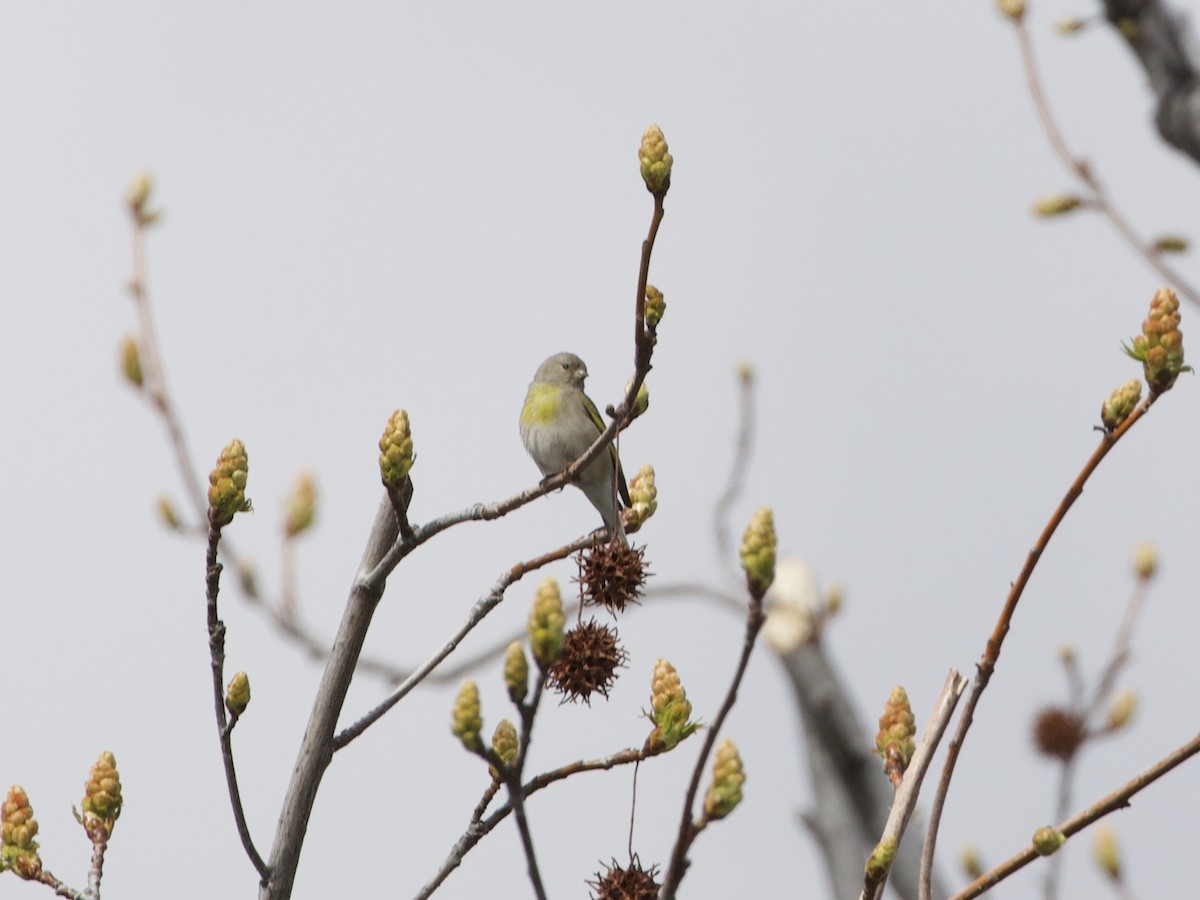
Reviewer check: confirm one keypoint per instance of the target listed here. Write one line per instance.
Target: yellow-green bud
(1124, 705)
(1120, 403)
(227, 485)
(1066, 654)
(744, 372)
(656, 306)
(18, 827)
(102, 794)
(504, 742)
(1145, 560)
(1106, 852)
(641, 400)
(968, 858)
(1159, 348)
(879, 863)
(1070, 25)
(894, 741)
(1058, 204)
(835, 597)
(237, 695)
(301, 507)
(1047, 840)
(166, 512)
(725, 792)
(670, 709)
(396, 455)
(643, 495)
(655, 161)
(1172, 243)
(758, 552)
(546, 623)
(468, 717)
(516, 672)
(131, 361)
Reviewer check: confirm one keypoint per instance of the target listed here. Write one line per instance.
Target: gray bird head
(563, 368)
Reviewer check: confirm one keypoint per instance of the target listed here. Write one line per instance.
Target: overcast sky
(411, 205)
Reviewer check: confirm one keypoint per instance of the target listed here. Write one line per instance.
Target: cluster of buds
(1159, 348)
(1145, 560)
(137, 199)
(18, 828)
(670, 709)
(655, 161)
(227, 485)
(643, 496)
(102, 798)
(1047, 840)
(546, 623)
(301, 507)
(1049, 205)
(516, 672)
(1107, 852)
(656, 306)
(895, 739)
(725, 792)
(505, 744)
(1120, 404)
(396, 455)
(641, 400)
(758, 552)
(467, 721)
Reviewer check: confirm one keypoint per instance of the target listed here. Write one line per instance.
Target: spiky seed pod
(300, 510)
(18, 828)
(588, 663)
(643, 496)
(894, 741)
(656, 306)
(131, 361)
(725, 792)
(237, 695)
(758, 552)
(670, 709)
(1120, 403)
(611, 575)
(1058, 732)
(102, 795)
(1159, 348)
(516, 672)
(1145, 560)
(505, 743)
(396, 455)
(546, 623)
(879, 863)
(655, 161)
(1047, 840)
(630, 882)
(1120, 713)
(1107, 852)
(227, 485)
(1050, 205)
(467, 723)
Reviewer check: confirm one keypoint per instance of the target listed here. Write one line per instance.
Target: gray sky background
(387, 205)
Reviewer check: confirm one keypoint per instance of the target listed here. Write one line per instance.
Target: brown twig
(743, 447)
(1118, 799)
(216, 647)
(687, 828)
(991, 653)
(1097, 196)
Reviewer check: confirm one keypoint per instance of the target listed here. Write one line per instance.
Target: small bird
(559, 422)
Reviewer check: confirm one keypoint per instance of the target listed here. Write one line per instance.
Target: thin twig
(991, 653)
(216, 647)
(743, 447)
(1118, 799)
(905, 800)
(687, 828)
(1098, 196)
